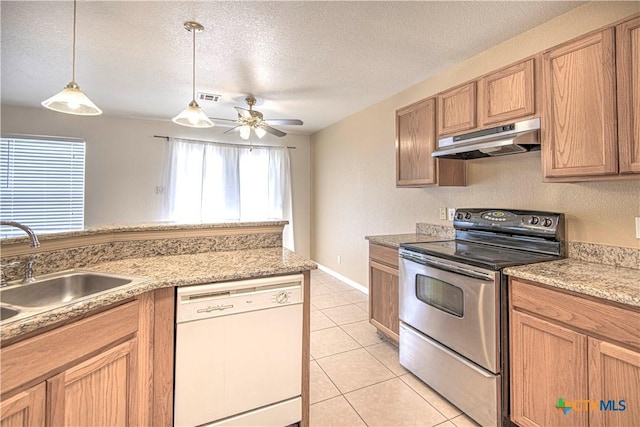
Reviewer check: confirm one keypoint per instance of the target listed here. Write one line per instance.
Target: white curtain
(216, 182)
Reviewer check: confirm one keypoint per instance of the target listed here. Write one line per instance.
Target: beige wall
(353, 181)
(124, 163)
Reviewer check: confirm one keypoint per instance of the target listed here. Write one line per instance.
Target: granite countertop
(394, 240)
(168, 271)
(152, 226)
(608, 282)
(618, 284)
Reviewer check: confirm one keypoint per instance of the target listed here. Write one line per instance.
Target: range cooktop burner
(480, 255)
(498, 238)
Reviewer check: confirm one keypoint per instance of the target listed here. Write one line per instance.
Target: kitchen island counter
(167, 271)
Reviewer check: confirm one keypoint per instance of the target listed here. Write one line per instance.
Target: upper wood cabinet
(628, 67)
(591, 129)
(579, 131)
(415, 141)
(457, 109)
(507, 94)
(502, 96)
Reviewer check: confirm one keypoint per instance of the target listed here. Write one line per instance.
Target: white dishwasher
(239, 353)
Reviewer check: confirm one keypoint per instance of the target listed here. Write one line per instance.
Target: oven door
(454, 304)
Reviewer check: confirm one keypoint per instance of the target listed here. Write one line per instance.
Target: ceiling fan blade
(272, 131)
(233, 129)
(284, 122)
(223, 120)
(243, 113)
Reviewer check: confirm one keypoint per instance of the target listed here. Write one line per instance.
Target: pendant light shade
(71, 100)
(193, 116)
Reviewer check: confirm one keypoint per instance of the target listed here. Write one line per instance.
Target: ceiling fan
(253, 119)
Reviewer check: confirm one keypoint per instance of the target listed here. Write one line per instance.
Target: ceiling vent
(209, 97)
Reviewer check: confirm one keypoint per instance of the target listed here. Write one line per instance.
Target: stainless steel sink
(8, 312)
(57, 290)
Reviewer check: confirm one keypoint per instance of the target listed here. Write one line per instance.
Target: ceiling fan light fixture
(260, 132)
(245, 132)
(193, 116)
(71, 100)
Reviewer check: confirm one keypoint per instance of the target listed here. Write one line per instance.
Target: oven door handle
(452, 268)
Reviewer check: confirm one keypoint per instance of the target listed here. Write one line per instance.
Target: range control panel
(517, 221)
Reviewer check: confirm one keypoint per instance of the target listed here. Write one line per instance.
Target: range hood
(518, 137)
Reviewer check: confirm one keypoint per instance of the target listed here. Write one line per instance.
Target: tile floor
(356, 379)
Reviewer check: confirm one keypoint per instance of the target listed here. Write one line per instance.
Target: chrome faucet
(28, 270)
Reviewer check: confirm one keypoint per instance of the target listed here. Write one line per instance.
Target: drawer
(592, 317)
(384, 255)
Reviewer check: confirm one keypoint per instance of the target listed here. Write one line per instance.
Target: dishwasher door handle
(215, 308)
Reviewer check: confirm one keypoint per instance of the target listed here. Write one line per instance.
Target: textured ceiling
(315, 61)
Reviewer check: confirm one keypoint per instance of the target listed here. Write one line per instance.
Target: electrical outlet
(339, 259)
(443, 213)
(451, 212)
(638, 227)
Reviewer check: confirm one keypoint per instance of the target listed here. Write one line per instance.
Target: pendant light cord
(73, 60)
(193, 91)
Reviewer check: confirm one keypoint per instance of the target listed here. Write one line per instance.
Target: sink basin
(60, 289)
(7, 312)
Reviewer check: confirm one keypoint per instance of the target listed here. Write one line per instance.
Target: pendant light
(193, 116)
(71, 100)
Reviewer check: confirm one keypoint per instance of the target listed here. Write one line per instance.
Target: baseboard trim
(346, 280)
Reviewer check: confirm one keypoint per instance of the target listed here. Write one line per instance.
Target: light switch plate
(451, 212)
(638, 227)
(443, 213)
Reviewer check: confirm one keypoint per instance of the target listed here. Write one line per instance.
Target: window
(216, 182)
(42, 184)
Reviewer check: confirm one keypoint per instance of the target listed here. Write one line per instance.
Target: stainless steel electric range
(453, 304)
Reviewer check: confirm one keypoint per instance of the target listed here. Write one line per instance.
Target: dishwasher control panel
(222, 299)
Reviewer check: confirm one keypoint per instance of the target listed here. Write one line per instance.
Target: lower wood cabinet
(574, 361)
(547, 363)
(383, 290)
(97, 392)
(26, 408)
(97, 371)
(614, 371)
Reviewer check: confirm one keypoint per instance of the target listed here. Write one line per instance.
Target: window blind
(42, 185)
